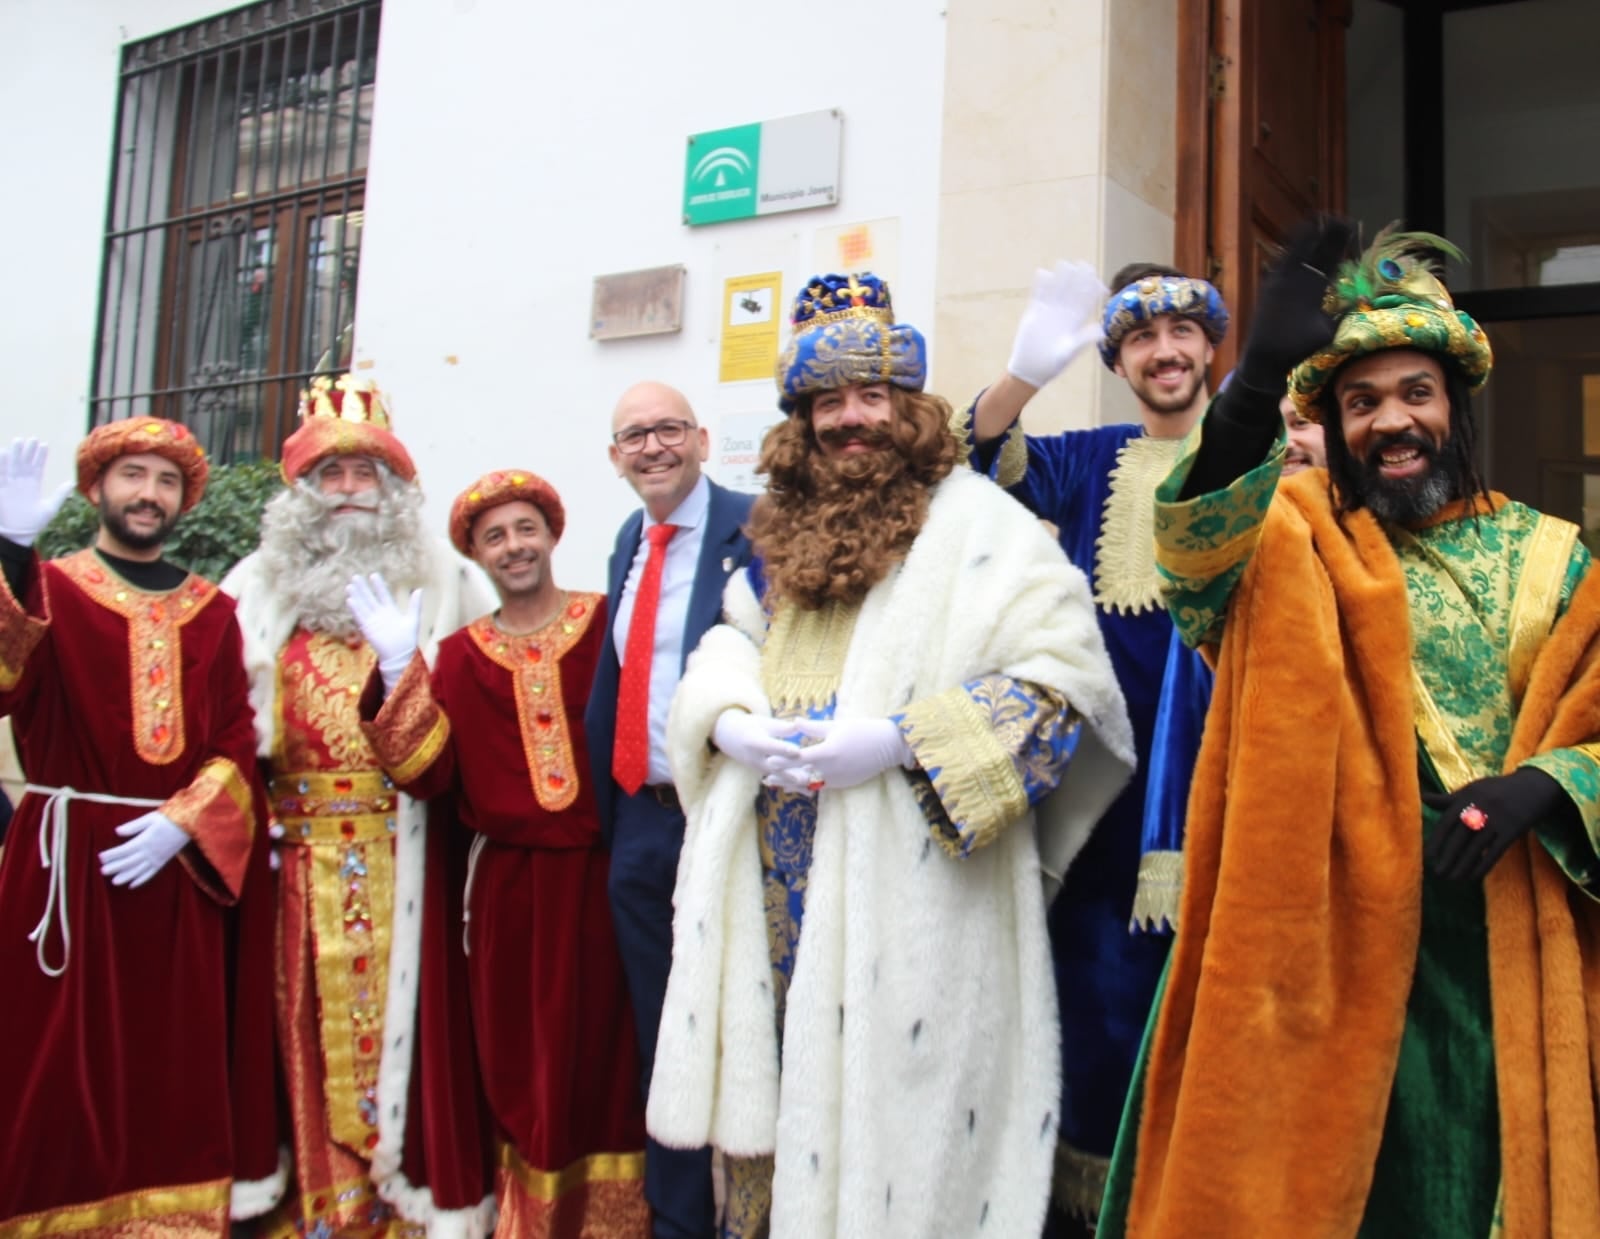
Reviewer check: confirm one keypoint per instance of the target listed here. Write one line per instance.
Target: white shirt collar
(689, 513)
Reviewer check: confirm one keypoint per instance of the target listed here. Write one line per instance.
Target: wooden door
(1261, 136)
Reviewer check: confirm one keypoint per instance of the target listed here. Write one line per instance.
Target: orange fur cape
(1275, 1049)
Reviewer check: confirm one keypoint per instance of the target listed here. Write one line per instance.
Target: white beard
(309, 553)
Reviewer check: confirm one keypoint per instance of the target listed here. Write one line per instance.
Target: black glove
(1289, 324)
(1478, 823)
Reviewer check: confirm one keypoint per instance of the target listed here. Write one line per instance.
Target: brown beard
(829, 528)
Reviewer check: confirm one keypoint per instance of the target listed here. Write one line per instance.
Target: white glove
(391, 632)
(754, 741)
(24, 507)
(853, 750)
(152, 840)
(1063, 316)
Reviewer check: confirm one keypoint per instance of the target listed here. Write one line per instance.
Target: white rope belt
(466, 894)
(53, 856)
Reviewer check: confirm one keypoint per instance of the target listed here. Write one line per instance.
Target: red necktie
(630, 755)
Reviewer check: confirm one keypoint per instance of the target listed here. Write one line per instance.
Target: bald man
(673, 557)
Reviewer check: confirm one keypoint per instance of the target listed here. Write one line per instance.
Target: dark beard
(1406, 501)
(116, 524)
(858, 520)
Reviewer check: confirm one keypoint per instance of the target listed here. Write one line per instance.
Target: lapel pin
(727, 563)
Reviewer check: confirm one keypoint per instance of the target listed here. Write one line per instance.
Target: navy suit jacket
(725, 551)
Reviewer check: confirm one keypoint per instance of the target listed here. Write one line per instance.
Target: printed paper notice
(736, 449)
(750, 305)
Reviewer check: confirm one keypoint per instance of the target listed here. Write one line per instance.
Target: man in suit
(675, 556)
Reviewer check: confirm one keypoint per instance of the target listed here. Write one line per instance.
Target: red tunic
(499, 730)
(138, 1081)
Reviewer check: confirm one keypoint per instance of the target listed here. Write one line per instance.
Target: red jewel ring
(1474, 818)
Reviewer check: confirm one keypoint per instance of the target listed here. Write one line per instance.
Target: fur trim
(416, 1204)
(1272, 1059)
(457, 595)
(881, 1094)
(252, 1197)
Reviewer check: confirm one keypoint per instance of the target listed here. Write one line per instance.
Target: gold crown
(346, 398)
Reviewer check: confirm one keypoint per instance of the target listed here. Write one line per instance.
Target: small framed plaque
(637, 303)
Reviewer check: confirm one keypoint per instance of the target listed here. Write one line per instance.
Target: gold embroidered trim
(414, 729)
(322, 807)
(977, 783)
(1450, 761)
(549, 1184)
(1079, 1182)
(1159, 891)
(218, 777)
(1533, 609)
(599, 1197)
(1012, 465)
(199, 1209)
(352, 906)
(803, 658)
(1212, 561)
(534, 661)
(319, 691)
(1125, 553)
(155, 652)
(20, 633)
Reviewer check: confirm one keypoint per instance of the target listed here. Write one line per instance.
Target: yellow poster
(750, 306)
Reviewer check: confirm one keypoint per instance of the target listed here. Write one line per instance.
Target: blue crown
(845, 333)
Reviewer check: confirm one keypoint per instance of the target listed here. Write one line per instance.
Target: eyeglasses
(668, 434)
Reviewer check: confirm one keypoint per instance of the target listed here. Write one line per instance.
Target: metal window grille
(233, 229)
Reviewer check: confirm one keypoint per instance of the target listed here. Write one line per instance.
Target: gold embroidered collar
(1125, 577)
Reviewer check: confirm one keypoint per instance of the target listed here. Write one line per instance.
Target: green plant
(222, 529)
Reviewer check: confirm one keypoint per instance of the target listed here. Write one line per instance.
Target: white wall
(518, 150)
(58, 93)
(512, 162)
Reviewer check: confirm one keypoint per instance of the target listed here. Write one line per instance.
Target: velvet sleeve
(411, 735)
(24, 621)
(985, 752)
(222, 805)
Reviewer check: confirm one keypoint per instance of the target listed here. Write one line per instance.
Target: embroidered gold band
(319, 807)
(199, 1209)
(550, 1184)
(1159, 891)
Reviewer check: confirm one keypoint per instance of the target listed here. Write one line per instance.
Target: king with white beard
(349, 887)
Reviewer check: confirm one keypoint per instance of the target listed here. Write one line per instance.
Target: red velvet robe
(138, 1082)
(497, 733)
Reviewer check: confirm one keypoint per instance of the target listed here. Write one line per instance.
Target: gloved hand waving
(391, 632)
(1480, 821)
(1062, 318)
(1289, 323)
(852, 750)
(25, 508)
(152, 840)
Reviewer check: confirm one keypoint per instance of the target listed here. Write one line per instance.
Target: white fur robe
(456, 593)
(921, 1067)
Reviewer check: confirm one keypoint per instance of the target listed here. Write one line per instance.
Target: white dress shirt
(672, 613)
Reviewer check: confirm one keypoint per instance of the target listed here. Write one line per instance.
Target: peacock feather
(1398, 268)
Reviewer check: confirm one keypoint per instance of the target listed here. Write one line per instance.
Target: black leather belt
(665, 795)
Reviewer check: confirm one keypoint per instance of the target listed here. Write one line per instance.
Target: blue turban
(845, 333)
(1154, 295)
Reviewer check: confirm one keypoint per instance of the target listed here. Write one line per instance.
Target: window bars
(234, 221)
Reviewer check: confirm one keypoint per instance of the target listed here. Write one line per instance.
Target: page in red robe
(497, 733)
(127, 1064)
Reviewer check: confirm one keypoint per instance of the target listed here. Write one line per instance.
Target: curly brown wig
(830, 527)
